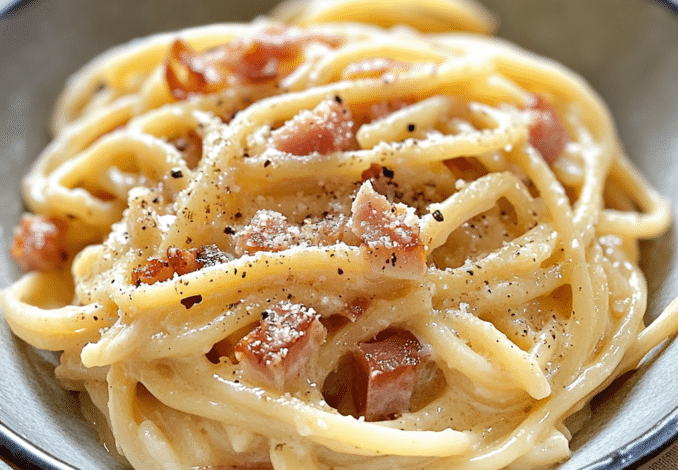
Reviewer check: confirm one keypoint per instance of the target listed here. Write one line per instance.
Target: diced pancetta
(325, 129)
(39, 243)
(385, 374)
(156, 270)
(262, 56)
(184, 261)
(178, 261)
(267, 231)
(280, 345)
(547, 133)
(389, 232)
(265, 56)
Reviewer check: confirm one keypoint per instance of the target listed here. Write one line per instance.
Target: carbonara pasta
(302, 243)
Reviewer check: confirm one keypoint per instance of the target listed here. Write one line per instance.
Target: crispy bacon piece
(325, 129)
(278, 348)
(385, 373)
(190, 147)
(267, 231)
(263, 57)
(39, 243)
(547, 133)
(178, 261)
(389, 232)
(157, 270)
(185, 261)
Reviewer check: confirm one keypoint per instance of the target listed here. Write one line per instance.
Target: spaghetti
(336, 246)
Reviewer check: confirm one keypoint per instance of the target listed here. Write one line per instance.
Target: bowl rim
(26, 455)
(19, 451)
(670, 4)
(642, 449)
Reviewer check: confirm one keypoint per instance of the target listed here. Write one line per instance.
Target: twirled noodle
(336, 247)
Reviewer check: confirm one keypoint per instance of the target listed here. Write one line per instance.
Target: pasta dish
(387, 242)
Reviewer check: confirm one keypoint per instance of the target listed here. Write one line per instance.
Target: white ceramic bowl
(627, 49)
